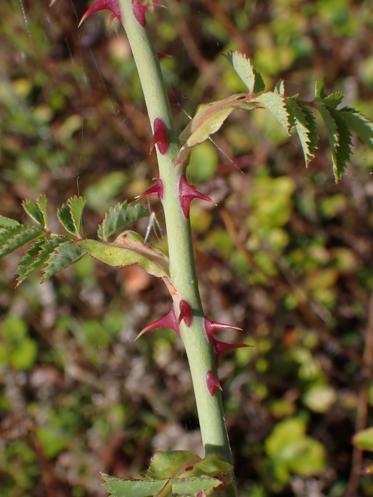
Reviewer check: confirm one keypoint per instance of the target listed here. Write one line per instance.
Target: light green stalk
(182, 265)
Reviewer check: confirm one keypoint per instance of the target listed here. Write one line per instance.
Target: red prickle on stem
(212, 327)
(139, 10)
(187, 193)
(160, 136)
(167, 321)
(221, 348)
(212, 383)
(155, 189)
(112, 5)
(186, 313)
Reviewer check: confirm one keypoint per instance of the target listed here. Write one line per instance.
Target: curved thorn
(187, 193)
(155, 189)
(112, 5)
(212, 383)
(212, 327)
(186, 313)
(221, 348)
(167, 321)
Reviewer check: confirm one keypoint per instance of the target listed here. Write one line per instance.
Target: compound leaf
(64, 255)
(17, 236)
(305, 125)
(70, 215)
(120, 217)
(245, 70)
(339, 139)
(359, 124)
(37, 210)
(276, 104)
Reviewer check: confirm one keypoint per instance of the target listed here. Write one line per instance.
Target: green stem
(182, 266)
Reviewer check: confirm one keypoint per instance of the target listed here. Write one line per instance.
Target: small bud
(186, 313)
(160, 136)
(112, 5)
(187, 193)
(212, 383)
(212, 327)
(221, 348)
(155, 189)
(167, 321)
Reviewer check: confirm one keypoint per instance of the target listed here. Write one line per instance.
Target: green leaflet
(132, 488)
(209, 119)
(339, 139)
(37, 256)
(63, 256)
(364, 439)
(37, 210)
(191, 486)
(15, 237)
(170, 464)
(150, 488)
(359, 124)
(276, 104)
(243, 67)
(128, 249)
(7, 222)
(305, 125)
(70, 215)
(119, 217)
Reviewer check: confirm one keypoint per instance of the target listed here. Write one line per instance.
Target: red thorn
(139, 10)
(187, 193)
(155, 189)
(163, 55)
(221, 348)
(186, 314)
(160, 136)
(167, 321)
(212, 327)
(112, 5)
(212, 383)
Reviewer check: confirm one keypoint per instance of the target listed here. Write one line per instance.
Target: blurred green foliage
(286, 254)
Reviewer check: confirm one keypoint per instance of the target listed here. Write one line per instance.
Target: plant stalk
(182, 265)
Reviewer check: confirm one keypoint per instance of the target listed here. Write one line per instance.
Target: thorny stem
(182, 265)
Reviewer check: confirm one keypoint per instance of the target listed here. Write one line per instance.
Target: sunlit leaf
(305, 126)
(276, 104)
(119, 218)
(245, 70)
(70, 215)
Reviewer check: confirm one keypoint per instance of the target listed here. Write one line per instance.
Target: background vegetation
(286, 253)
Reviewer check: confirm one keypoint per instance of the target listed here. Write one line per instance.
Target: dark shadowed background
(286, 254)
